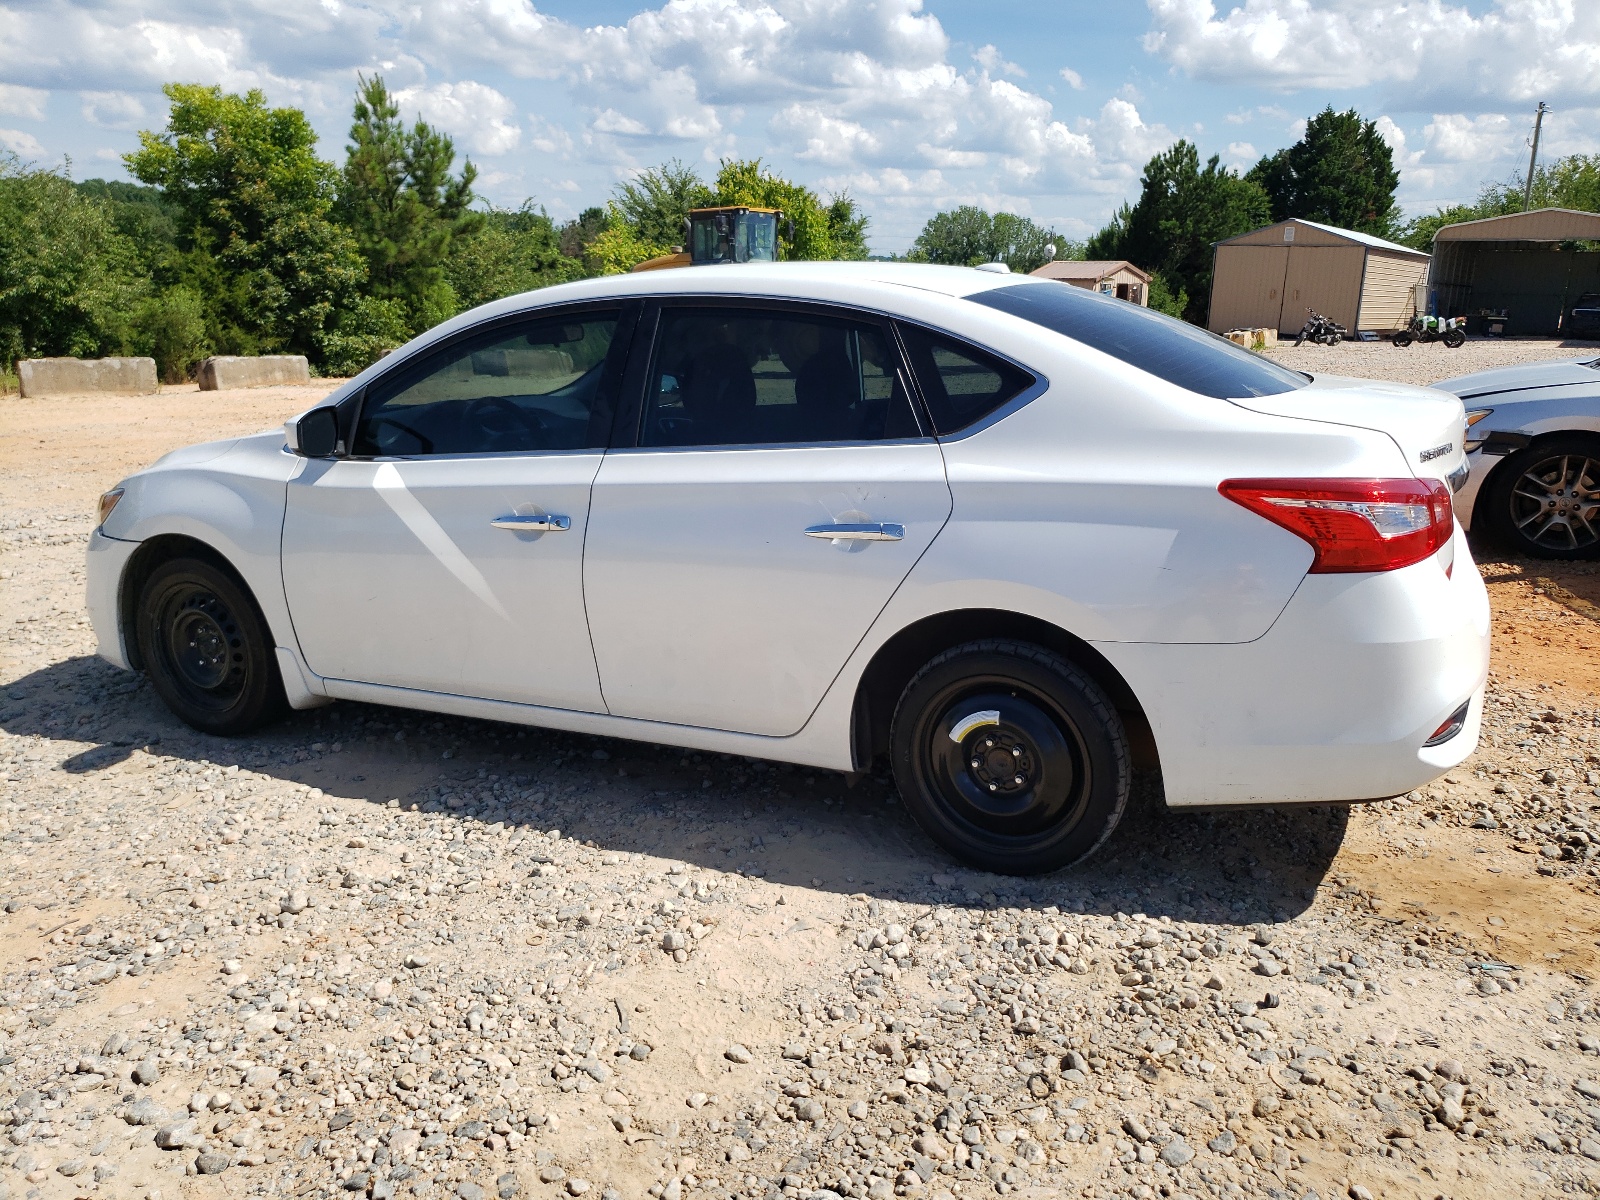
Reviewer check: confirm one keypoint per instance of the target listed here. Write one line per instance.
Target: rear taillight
(1354, 524)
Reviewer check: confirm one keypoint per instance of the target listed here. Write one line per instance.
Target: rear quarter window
(1163, 346)
(961, 384)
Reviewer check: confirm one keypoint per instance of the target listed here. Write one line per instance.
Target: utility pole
(1533, 158)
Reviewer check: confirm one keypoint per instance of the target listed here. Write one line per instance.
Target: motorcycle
(1320, 329)
(1452, 331)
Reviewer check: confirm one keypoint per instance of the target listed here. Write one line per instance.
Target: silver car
(1533, 448)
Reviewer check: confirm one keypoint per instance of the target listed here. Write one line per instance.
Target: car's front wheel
(206, 648)
(1010, 757)
(1546, 500)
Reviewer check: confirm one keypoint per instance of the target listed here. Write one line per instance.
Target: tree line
(239, 239)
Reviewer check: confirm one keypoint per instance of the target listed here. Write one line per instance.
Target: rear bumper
(1334, 703)
(107, 559)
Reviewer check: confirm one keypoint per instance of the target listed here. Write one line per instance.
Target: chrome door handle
(878, 532)
(543, 523)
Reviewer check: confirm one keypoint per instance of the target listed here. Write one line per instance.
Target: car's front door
(446, 553)
(780, 490)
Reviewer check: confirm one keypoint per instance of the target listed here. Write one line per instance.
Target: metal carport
(1531, 267)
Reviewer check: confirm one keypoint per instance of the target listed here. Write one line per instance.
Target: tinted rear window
(1164, 346)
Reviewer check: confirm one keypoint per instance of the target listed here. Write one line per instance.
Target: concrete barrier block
(74, 376)
(239, 371)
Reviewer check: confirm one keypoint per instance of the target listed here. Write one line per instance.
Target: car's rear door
(446, 553)
(778, 487)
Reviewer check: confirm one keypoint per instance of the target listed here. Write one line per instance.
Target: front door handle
(884, 531)
(542, 523)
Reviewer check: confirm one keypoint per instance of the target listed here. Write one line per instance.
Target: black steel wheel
(1404, 338)
(1454, 338)
(206, 648)
(1546, 500)
(1010, 757)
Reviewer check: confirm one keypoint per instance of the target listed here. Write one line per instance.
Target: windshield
(1161, 345)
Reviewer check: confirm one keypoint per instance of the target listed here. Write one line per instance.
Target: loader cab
(730, 234)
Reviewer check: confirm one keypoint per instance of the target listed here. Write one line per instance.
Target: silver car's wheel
(1548, 505)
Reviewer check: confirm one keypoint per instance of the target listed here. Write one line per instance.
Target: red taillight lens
(1354, 524)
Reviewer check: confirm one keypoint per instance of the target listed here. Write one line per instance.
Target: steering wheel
(424, 442)
(500, 419)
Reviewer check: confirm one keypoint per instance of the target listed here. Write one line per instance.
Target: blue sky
(1047, 109)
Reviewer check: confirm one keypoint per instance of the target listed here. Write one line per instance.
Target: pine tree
(403, 205)
(1341, 172)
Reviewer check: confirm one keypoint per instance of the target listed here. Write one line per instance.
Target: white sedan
(1014, 537)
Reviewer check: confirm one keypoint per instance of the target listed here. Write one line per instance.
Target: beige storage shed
(1114, 277)
(1269, 277)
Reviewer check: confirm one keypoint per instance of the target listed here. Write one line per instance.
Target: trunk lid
(1425, 423)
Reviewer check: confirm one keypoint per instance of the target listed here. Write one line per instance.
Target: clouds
(1422, 52)
(22, 101)
(482, 118)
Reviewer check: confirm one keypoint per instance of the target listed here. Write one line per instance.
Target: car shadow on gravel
(783, 823)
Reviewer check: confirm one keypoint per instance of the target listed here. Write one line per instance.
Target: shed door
(1326, 278)
(1248, 290)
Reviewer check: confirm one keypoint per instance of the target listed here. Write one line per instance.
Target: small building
(1269, 277)
(1114, 277)
(1517, 274)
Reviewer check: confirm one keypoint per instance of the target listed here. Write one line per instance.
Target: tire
(1454, 339)
(1066, 746)
(1545, 501)
(1404, 338)
(206, 648)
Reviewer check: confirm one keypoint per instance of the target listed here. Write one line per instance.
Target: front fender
(233, 503)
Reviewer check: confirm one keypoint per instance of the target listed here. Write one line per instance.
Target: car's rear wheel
(206, 648)
(1546, 500)
(1010, 757)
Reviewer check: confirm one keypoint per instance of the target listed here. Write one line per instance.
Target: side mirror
(316, 435)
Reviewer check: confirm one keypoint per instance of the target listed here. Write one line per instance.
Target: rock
(183, 1135)
(417, 961)
(295, 903)
(1223, 1143)
(1265, 1106)
(736, 1053)
(144, 1111)
(212, 1163)
(550, 1173)
(640, 1051)
(73, 1166)
(1135, 1129)
(672, 940)
(467, 1190)
(1359, 1192)
(472, 1131)
(1589, 1148)
(577, 1187)
(1270, 967)
(808, 1109)
(147, 1073)
(1177, 1153)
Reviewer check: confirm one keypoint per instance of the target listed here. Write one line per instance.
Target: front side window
(534, 385)
(745, 376)
(1161, 345)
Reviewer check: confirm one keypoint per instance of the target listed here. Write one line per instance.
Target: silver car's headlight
(1474, 415)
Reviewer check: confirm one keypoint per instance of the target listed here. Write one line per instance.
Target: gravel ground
(1424, 364)
(373, 952)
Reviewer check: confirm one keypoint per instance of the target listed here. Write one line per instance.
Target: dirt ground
(371, 952)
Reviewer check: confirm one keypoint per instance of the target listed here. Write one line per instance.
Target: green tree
(576, 234)
(255, 234)
(655, 204)
(70, 281)
(968, 236)
(516, 250)
(1182, 211)
(405, 208)
(1341, 172)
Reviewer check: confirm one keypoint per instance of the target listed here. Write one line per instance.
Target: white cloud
(1423, 50)
(990, 59)
(1455, 137)
(1240, 154)
(23, 101)
(22, 144)
(478, 115)
(112, 110)
(1074, 80)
